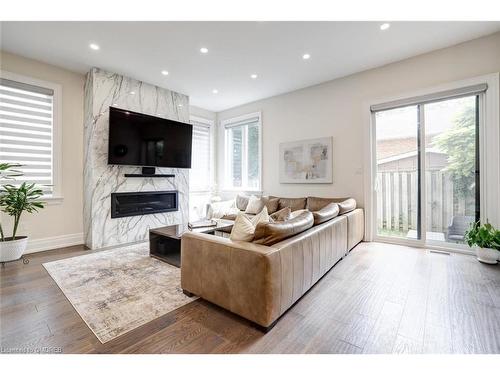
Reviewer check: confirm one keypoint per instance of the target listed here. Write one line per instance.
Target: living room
(250, 187)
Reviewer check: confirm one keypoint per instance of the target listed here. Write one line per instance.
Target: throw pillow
(244, 226)
(261, 217)
(281, 215)
(255, 205)
(242, 202)
(271, 204)
(216, 210)
(243, 229)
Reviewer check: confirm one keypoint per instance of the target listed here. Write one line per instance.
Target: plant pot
(12, 249)
(488, 256)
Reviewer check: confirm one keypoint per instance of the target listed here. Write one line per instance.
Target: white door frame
(489, 143)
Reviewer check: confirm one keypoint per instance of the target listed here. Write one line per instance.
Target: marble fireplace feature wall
(102, 90)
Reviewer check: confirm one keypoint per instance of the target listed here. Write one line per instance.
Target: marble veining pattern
(102, 90)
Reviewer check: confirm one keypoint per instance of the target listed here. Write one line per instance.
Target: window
(427, 165)
(28, 132)
(243, 152)
(200, 175)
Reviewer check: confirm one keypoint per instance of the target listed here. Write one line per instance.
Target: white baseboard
(50, 243)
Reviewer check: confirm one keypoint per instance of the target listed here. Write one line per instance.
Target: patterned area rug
(117, 290)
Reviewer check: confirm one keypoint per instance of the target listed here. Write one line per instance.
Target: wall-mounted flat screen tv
(149, 141)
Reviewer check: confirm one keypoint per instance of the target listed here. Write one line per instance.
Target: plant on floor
(14, 200)
(484, 236)
(486, 239)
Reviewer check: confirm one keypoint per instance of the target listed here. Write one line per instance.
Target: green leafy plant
(14, 200)
(6, 170)
(459, 143)
(484, 236)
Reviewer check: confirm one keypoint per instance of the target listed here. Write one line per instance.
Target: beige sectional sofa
(260, 282)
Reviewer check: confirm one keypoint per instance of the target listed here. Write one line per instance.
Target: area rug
(117, 290)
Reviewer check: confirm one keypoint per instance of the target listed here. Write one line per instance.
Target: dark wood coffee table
(165, 242)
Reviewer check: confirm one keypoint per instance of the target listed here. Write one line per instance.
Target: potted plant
(486, 241)
(14, 200)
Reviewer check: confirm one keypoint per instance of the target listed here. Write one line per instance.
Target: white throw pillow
(218, 209)
(255, 205)
(244, 227)
(261, 217)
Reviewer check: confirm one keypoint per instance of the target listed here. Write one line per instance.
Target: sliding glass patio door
(427, 169)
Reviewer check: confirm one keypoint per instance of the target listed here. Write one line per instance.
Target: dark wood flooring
(379, 299)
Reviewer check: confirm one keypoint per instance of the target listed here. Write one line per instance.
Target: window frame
(57, 182)
(226, 125)
(211, 125)
(489, 158)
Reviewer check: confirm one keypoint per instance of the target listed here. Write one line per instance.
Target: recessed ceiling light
(215, 91)
(203, 50)
(385, 26)
(253, 76)
(94, 46)
(164, 72)
(179, 105)
(132, 92)
(306, 56)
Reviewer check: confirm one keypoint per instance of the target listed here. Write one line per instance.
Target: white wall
(58, 224)
(335, 109)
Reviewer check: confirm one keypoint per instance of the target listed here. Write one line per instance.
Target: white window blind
(200, 174)
(26, 132)
(243, 152)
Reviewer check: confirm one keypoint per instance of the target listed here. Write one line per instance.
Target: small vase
(488, 256)
(12, 249)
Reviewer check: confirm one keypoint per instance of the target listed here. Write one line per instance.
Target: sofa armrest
(240, 276)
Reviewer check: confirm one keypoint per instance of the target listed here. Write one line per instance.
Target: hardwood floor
(380, 299)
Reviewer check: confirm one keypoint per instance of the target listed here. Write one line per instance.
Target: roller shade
(422, 99)
(200, 163)
(247, 121)
(26, 131)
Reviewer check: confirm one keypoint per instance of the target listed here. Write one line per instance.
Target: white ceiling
(273, 50)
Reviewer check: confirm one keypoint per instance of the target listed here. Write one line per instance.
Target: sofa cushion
(328, 212)
(255, 205)
(242, 201)
(347, 205)
(271, 233)
(317, 203)
(297, 213)
(271, 204)
(244, 225)
(294, 203)
(281, 215)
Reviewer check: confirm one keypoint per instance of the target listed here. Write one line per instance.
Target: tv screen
(149, 141)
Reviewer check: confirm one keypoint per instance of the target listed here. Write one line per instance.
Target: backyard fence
(397, 201)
